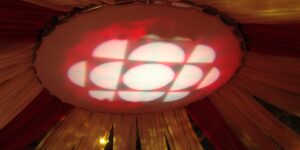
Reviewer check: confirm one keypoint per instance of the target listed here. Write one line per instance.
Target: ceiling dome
(132, 62)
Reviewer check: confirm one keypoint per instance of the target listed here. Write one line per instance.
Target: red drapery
(23, 21)
(274, 39)
(40, 115)
(208, 119)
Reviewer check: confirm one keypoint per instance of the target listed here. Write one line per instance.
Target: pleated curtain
(83, 129)
(80, 130)
(213, 126)
(20, 25)
(270, 72)
(33, 122)
(274, 79)
(244, 11)
(18, 84)
(256, 127)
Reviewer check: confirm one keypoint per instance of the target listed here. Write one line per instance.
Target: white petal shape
(107, 75)
(148, 76)
(140, 96)
(187, 77)
(102, 95)
(202, 54)
(77, 73)
(210, 78)
(174, 96)
(158, 52)
(111, 49)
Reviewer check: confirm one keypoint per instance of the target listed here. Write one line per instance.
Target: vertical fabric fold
(173, 125)
(179, 131)
(214, 127)
(274, 79)
(81, 129)
(33, 122)
(18, 83)
(151, 132)
(124, 132)
(287, 101)
(254, 124)
(279, 72)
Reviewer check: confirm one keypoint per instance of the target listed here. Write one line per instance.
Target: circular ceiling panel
(136, 58)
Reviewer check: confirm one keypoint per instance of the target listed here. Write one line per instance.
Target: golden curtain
(173, 125)
(244, 11)
(82, 129)
(256, 127)
(124, 132)
(18, 83)
(151, 132)
(274, 79)
(253, 11)
(179, 131)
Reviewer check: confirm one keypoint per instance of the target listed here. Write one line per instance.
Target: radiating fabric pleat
(254, 124)
(246, 11)
(18, 83)
(179, 131)
(253, 11)
(274, 79)
(33, 122)
(81, 129)
(173, 125)
(124, 132)
(151, 132)
(206, 117)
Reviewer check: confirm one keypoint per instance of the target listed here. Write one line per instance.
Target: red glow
(147, 64)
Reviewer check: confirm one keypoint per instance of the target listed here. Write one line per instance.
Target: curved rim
(222, 16)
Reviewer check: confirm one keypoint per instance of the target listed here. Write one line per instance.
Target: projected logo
(154, 71)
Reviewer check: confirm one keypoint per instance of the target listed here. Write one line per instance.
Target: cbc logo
(152, 78)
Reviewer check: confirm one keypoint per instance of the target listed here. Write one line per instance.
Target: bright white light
(111, 49)
(210, 78)
(148, 76)
(188, 76)
(140, 96)
(145, 76)
(158, 52)
(202, 54)
(174, 96)
(77, 73)
(102, 95)
(107, 75)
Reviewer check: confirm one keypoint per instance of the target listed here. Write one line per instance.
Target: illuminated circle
(210, 78)
(158, 52)
(77, 73)
(140, 96)
(148, 76)
(202, 54)
(107, 75)
(174, 96)
(188, 76)
(111, 49)
(102, 95)
(142, 62)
